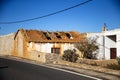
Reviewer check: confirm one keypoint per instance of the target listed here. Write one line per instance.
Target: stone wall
(101, 63)
(51, 57)
(7, 44)
(42, 57)
(97, 62)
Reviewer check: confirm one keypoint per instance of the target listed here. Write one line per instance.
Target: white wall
(109, 44)
(99, 36)
(46, 47)
(112, 44)
(106, 43)
(118, 44)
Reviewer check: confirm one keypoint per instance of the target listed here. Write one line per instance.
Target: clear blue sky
(89, 17)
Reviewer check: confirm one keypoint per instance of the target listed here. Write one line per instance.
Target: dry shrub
(70, 55)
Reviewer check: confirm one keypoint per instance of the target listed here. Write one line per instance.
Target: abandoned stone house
(26, 41)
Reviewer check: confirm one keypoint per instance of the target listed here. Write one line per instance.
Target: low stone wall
(97, 62)
(51, 57)
(37, 56)
(42, 57)
(88, 67)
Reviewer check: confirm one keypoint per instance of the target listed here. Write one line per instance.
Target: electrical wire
(60, 11)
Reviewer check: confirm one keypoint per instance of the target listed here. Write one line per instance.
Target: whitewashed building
(109, 43)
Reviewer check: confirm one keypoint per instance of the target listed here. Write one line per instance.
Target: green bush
(70, 55)
(118, 60)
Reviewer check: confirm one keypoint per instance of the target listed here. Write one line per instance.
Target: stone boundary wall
(101, 63)
(87, 67)
(55, 58)
(7, 44)
(97, 62)
(42, 57)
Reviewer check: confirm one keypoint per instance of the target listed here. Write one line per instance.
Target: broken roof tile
(45, 36)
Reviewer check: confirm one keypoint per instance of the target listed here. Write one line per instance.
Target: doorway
(113, 53)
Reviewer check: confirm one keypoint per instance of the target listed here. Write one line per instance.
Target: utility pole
(103, 47)
(104, 29)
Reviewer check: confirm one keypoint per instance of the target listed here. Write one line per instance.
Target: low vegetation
(113, 66)
(118, 60)
(70, 55)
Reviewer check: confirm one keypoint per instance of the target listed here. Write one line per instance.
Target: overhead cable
(20, 21)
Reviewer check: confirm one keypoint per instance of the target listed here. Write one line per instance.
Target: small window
(55, 50)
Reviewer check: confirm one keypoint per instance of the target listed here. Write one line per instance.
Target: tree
(88, 47)
(70, 55)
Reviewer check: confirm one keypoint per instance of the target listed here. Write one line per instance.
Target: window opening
(55, 50)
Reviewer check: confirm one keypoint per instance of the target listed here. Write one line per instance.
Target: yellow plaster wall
(7, 44)
(36, 55)
(20, 46)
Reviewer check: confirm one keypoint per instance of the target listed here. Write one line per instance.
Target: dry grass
(97, 62)
(113, 66)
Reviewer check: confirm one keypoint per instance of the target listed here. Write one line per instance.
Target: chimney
(104, 28)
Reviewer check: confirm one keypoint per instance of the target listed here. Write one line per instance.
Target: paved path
(18, 70)
(100, 75)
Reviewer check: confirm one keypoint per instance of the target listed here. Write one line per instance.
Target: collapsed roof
(47, 36)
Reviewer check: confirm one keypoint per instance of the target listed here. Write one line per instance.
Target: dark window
(55, 50)
(112, 37)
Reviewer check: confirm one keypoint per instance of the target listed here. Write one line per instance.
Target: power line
(10, 22)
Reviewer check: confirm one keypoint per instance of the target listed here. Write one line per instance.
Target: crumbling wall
(7, 44)
(51, 57)
(37, 56)
(42, 57)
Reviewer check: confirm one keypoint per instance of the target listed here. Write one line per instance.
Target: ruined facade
(26, 41)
